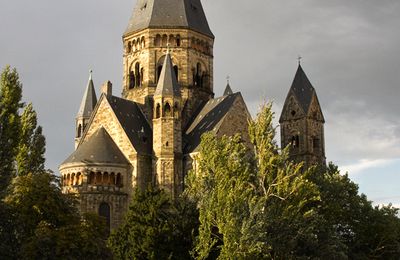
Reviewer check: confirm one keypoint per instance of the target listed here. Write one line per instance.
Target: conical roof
(167, 83)
(187, 14)
(100, 148)
(89, 100)
(228, 90)
(302, 89)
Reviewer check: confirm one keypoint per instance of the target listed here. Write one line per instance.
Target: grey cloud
(349, 49)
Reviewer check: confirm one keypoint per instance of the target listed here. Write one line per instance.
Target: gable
(212, 118)
(315, 112)
(291, 109)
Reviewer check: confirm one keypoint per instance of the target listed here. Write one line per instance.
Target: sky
(349, 49)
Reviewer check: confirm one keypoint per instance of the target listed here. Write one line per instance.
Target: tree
(252, 203)
(47, 223)
(31, 147)
(10, 103)
(156, 227)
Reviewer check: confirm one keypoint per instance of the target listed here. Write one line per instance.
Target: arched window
(134, 45)
(79, 131)
(78, 179)
(105, 212)
(131, 80)
(73, 179)
(198, 77)
(295, 141)
(164, 40)
(157, 40)
(167, 109)
(137, 74)
(129, 47)
(137, 44)
(171, 40)
(91, 178)
(105, 178)
(316, 143)
(99, 178)
(178, 40)
(159, 69)
(119, 180)
(176, 70)
(158, 111)
(112, 178)
(143, 42)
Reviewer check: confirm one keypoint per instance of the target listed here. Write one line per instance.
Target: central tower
(180, 26)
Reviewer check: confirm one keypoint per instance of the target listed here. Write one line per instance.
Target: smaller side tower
(302, 122)
(167, 131)
(88, 103)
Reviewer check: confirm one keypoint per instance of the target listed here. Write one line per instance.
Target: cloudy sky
(350, 50)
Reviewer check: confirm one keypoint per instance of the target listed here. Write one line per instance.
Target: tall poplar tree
(31, 147)
(10, 103)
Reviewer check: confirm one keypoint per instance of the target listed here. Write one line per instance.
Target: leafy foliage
(156, 227)
(10, 103)
(255, 203)
(31, 147)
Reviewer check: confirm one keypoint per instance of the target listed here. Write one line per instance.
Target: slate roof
(228, 90)
(134, 123)
(100, 148)
(187, 14)
(89, 100)
(209, 119)
(302, 89)
(167, 84)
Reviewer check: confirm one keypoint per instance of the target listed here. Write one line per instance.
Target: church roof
(100, 148)
(209, 119)
(134, 123)
(302, 89)
(167, 84)
(228, 90)
(89, 100)
(187, 14)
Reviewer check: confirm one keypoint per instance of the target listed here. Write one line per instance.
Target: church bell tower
(302, 123)
(180, 26)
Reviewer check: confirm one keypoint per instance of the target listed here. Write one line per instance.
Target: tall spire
(89, 99)
(167, 84)
(302, 88)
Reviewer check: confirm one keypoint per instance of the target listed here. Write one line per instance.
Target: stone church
(151, 134)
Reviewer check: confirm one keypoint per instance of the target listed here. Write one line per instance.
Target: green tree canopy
(10, 103)
(254, 203)
(156, 227)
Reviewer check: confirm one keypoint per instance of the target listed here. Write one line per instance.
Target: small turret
(88, 103)
(167, 130)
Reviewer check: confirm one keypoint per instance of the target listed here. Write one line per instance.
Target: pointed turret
(228, 90)
(161, 14)
(167, 131)
(302, 89)
(167, 84)
(302, 122)
(89, 100)
(88, 103)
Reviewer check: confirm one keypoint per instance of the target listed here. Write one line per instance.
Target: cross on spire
(299, 58)
(227, 79)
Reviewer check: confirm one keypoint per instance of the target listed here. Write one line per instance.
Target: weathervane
(299, 58)
(227, 79)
